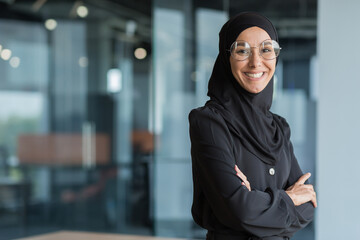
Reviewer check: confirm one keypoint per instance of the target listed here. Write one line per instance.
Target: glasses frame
(250, 53)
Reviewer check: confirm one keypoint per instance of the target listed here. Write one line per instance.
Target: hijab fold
(247, 114)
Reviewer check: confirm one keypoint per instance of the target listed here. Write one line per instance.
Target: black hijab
(247, 114)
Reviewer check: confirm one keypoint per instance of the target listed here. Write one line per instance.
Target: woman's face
(255, 72)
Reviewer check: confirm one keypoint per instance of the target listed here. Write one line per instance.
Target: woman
(247, 181)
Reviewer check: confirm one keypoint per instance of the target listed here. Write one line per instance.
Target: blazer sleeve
(261, 213)
(304, 212)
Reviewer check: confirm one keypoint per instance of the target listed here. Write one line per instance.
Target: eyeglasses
(268, 49)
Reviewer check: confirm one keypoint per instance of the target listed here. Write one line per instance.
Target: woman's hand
(242, 176)
(301, 193)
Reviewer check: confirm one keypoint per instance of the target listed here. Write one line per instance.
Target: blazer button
(272, 171)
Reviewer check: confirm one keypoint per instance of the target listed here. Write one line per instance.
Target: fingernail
(242, 183)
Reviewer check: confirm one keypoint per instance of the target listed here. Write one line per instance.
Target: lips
(255, 75)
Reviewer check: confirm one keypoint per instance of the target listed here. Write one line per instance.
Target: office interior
(94, 99)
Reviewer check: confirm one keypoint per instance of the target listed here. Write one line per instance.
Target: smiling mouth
(255, 75)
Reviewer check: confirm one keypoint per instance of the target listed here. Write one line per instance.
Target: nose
(255, 59)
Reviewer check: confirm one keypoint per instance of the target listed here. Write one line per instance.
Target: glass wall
(75, 141)
(94, 103)
(183, 59)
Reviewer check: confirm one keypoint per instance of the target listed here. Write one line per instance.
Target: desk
(69, 235)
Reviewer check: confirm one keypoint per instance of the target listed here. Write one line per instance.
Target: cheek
(236, 67)
(271, 66)
(233, 68)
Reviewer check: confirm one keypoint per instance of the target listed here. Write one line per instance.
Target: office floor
(62, 235)
(8, 233)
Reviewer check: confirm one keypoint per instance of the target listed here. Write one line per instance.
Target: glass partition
(183, 59)
(75, 143)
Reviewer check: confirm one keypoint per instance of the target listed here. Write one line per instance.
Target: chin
(255, 89)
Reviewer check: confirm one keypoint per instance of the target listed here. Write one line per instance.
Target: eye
(267, 50)
(242, 51)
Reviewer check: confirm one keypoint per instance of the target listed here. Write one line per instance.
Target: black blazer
(221, 203)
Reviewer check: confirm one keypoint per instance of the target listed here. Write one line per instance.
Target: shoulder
(205, 115)
(208, 126)
(207, 120)
(283, 124)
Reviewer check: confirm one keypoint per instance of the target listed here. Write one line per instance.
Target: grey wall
(338, 158)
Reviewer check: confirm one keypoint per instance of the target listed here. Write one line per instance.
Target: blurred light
(0, 48)
(82, 11)
(114, 80)
(50, 24)
(140, 53)
(15, 62)
(6, 54)
(83, 62)
(131, 27)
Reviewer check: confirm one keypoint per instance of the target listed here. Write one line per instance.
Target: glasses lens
(269, 49)
(240, 50)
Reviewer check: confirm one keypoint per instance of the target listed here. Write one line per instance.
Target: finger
(240, 173)
(308, 187)
(303, 178)
(314, 201)
(242, 176)
(245, 181)
(246, 184)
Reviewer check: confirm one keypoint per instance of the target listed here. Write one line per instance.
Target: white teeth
(254, 75)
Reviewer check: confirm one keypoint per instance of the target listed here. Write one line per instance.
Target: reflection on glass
(15, 62)
(6, 54)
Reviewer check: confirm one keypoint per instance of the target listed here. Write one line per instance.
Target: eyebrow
(268, 43)
(242, 43)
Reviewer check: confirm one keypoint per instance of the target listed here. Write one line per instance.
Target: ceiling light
(114, 80)
(82, 11)
(131, 27)
(140, 53)
(5, 54)
(50, 24)
(15, 62)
